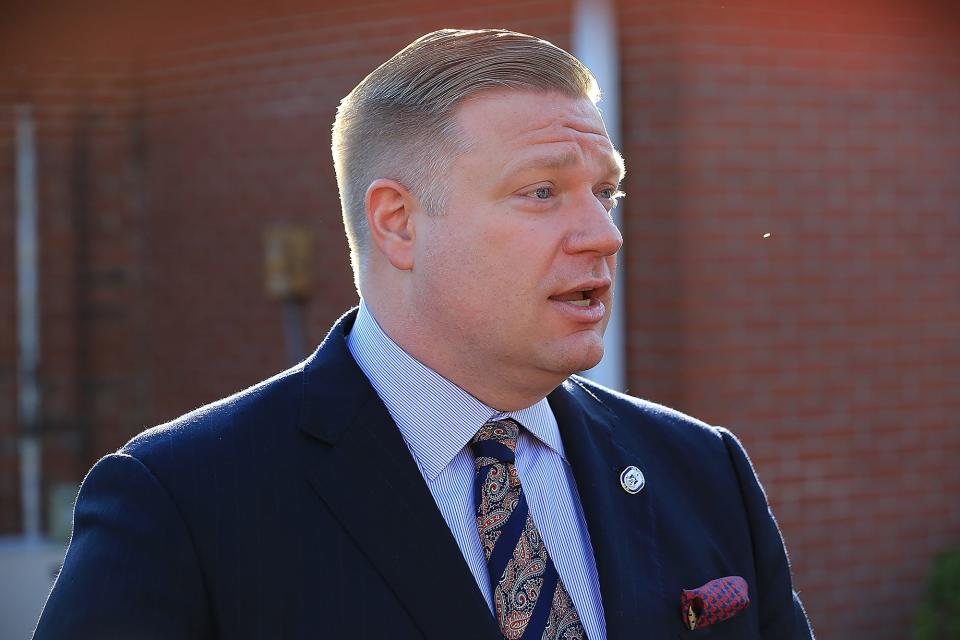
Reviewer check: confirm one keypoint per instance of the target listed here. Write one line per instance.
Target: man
(434, 469)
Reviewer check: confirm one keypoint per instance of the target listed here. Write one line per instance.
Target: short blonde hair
(398, 122)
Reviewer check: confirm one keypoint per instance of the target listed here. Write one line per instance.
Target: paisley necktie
(530, 599)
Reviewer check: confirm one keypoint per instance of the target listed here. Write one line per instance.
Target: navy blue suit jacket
(295, 510)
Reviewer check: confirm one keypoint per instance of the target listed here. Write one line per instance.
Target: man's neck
(492, 386)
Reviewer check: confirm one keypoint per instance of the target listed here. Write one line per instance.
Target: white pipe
(595, 44)
(28, 321)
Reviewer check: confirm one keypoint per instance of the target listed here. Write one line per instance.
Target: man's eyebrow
(564, 160)
(619, 167)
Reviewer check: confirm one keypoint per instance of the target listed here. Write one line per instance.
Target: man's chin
(590, 364)
(581, 357)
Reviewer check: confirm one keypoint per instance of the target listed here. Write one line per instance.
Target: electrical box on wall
(287, 260)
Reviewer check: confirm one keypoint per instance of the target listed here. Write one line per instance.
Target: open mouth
(580, 298)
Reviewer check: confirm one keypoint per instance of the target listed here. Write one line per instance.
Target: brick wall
(168, 142)
(86, 256)
(831, 347)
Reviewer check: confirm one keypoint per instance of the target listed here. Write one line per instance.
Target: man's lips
(585, 293)
(584, 303)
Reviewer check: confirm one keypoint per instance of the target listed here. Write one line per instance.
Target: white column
(595, 44)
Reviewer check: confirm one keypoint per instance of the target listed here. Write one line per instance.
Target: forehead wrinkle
(547, 160)
(596, 138)
(560, 130)
(568, 157)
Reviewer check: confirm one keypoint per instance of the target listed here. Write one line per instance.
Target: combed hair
(398, 122)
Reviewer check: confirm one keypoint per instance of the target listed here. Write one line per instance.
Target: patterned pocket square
(716, 601)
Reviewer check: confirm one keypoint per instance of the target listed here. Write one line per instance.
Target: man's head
(398, 122)
(480, 226)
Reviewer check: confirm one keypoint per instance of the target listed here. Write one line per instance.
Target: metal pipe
(294, 336)
(28, 321)
(595, 43)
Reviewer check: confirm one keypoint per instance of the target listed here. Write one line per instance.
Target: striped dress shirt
(437, 419)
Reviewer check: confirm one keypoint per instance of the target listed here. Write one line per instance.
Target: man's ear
(389, 207)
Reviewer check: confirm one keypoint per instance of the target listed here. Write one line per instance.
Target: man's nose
(595, 231)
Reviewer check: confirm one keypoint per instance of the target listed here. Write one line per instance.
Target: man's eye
(542, 193)
(611, 194)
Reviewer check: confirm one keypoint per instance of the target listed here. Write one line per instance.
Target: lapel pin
(632, 480)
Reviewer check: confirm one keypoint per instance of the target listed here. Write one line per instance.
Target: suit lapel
(369, 481)
(622, 526)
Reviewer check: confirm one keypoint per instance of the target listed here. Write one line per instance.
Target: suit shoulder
(636, 414)
(268, 403)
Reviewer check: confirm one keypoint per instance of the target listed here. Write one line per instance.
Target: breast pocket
(742, 626)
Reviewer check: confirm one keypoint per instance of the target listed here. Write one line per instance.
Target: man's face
(515, 275)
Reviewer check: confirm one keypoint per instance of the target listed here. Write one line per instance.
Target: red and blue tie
(530, 599)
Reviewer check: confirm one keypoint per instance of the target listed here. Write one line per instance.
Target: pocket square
(716, 601)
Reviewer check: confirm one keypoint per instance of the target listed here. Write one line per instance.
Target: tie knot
(497, 439)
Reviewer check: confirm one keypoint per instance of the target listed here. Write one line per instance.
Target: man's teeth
(579, 298)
